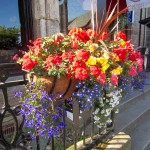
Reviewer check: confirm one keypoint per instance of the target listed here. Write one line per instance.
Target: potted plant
(98, 63)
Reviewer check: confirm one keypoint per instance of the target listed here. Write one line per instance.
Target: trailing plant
(39, 112)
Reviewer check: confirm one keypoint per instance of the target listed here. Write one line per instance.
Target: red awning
(122, 4)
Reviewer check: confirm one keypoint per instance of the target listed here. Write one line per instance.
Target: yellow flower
(102, 60)
(92, 60)
(117, 71)
(105, 67)
(122, 42)
(93, 47)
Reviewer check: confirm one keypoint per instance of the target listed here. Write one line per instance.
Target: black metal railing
(84, 133)
(80, 134)
(11, 123)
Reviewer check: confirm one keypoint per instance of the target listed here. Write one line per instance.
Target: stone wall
(45, 17)
(7, 55)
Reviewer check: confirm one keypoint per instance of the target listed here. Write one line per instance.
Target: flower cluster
(102, 99)
(82, 55)
(37, 108)
(104, 68)
(106, 105)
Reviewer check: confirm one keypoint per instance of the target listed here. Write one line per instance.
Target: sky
(9, 11)
(75, 8)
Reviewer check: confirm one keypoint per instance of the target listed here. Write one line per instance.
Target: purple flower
(40, 132)
(32, 84)
(33, 96)
(38, 113)
(55, 117)
(17, 94)
(53, 131)
(61, 125)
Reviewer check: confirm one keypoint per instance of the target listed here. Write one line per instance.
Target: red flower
(121, 35)
(38, 42)
(83, 54)
(134, 55)
(38, 52)
(28, 64)
(74, 45)
(81, 74)
(68, 56)
(25, 56)
(132, 71)
(68, 73)
(58, 38)
(54, 59)
(101, 78)
(75, 30)
(104, 36)
(129, 46)
(79, 34)
(114, 79)
(91, 33)
(79, 64)
(35, 45)
(94, 70)
(121, 53)
(140, 63)
(15, 57)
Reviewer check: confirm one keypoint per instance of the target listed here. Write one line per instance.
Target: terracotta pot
(58, 86)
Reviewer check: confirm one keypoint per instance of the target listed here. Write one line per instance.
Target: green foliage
(9, 37)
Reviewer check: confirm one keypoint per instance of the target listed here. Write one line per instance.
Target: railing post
(64, 129)
(37, 142)
(76, 114)
(92, 124)
(52, 143)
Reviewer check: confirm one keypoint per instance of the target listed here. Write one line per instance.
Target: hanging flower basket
(87, 56)
(61, 88)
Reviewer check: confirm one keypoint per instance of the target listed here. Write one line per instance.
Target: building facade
(38, 18)
(140, 34)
